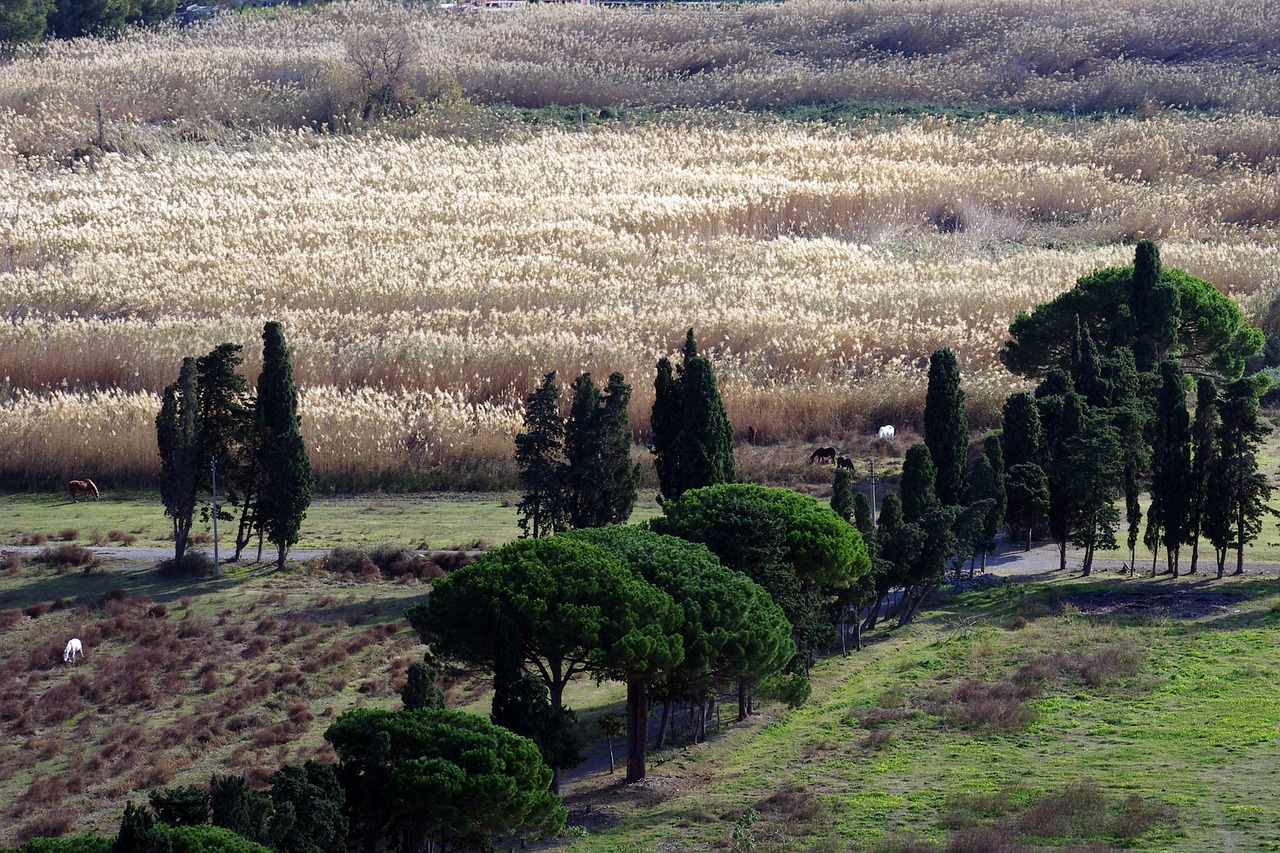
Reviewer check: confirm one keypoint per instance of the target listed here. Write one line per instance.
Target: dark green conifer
(284, 469)
(946, 428)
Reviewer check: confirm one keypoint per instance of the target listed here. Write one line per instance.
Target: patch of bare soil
(1192, 602)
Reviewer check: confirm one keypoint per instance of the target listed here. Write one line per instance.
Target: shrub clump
(67, 556)
(194, 564)
(390, 561)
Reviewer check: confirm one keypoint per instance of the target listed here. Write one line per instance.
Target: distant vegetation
(821, 259)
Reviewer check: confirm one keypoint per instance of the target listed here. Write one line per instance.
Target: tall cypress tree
(918, 478)
(1204, 441)
(583, 442)
(842, 494)
(692, 436)
(1061, 415)
(987, 497)
(664, 424)
(1238, 491)
(622, 475)
(181, 465)
(946, 429)
(1028, 490)
(227, 435)
(542, 509)
(1020, 434)
(993, 447)
(1170, 467)
(601, 480)
(284, 469)
(1094, 455)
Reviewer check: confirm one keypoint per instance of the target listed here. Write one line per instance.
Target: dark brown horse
(823, 454)
(75, 487)
(844, 462)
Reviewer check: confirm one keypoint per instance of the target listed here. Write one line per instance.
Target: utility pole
(213, 469)
(872, 463)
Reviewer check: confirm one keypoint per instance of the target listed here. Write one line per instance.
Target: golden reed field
(168, 191)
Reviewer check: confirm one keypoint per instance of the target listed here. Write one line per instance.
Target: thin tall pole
(872, 463)
(213, 468)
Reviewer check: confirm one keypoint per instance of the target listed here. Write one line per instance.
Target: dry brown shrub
(1077, 809)
(266, 625)
(994, 706)
(46, 790)
(10, 618)
(986, 839)
(209, 682)
(60, 704)
(11, 561)
(376, 687)
(67, 556)
(68, 534)
(193, 626)
(234, 633)
(870, 718)
(160, 773)
(36, 610)
(52, 825)
(1137, 816)
(1018, 624)
(1116, 661)
(273, 735)
(255, 648)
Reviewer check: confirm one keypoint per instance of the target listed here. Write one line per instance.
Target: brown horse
(75, 487)
(823, 454)
(844, 462)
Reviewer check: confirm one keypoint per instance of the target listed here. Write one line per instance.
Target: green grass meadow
(1168, 726)
(443, 520)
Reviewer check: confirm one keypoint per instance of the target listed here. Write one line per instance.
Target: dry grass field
(169, 191)
(180, 681)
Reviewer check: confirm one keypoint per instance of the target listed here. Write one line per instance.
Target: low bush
(67, 556)
(68, 534)
(194, 564)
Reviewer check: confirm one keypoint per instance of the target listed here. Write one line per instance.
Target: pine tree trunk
(662, 725)
(1195, 554)
(742, 699)
(1062, 556)
(637, 729)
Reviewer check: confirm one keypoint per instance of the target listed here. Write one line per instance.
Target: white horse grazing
(73, 648)
(886, 431)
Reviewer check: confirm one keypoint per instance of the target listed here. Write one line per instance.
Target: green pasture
(1193, 731)
(440, 520)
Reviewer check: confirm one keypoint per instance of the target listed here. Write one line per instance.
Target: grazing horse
(823, 454)
(844, 462)
(886, 431)
(75, 487)
(73, 648)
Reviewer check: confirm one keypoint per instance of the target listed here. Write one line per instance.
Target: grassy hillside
(1047, 713)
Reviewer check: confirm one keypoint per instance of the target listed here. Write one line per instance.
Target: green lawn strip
(438, 520)
(1194, 728)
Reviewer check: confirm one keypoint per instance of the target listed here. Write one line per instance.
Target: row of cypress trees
(209, 418)
(577, 471)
